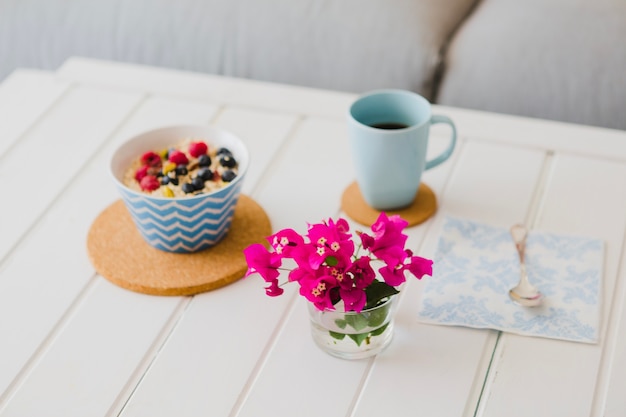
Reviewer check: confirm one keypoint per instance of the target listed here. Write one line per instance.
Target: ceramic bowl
(180, 224)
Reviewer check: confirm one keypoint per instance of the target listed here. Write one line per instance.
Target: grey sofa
(556, 59)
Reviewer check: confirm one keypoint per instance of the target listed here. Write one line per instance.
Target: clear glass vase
(351, 335)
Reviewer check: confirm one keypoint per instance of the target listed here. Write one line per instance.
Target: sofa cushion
(554, 59)
(351, 45)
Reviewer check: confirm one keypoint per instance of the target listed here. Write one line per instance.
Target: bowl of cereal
(181, 184)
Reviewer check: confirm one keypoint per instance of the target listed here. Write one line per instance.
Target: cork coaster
(420, 210)
(119, 253)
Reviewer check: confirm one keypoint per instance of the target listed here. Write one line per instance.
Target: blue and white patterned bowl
(181, 225)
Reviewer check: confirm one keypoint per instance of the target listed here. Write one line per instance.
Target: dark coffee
(389, 125)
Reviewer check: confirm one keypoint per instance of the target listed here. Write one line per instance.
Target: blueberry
(181, 170)
(224, 151)
(171, 178)
(165, 180)
(205, 173)
(198, 183)
(228, 175)
(228, 161)
(188, 188)
(204, 160)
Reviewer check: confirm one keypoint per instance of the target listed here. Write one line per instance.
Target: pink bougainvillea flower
(388, 241)
(344, 280)
(303, 273)
(353, 299)
(262, 262)
(392, 256)
(285, 242)
(328, 269)
(393, 276)
(274, 290)
(387, 233)
(362, 273)
(330, 240)
(419, 266)
(318, 291)
(342, 229)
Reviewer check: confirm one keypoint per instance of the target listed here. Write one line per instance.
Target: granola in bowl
(191, 167)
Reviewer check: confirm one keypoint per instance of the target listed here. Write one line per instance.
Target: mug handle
(445, 154)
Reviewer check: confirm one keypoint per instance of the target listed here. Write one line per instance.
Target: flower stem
(356, 253)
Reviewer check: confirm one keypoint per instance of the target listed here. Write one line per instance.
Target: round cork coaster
(119, 253)
(420, 210)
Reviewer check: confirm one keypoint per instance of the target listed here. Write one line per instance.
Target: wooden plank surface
(241, 92)
(564, 376)
(53, 151)
(431, 375)
(235, 351)
(610, 400)
(40, 256)
(236, 320)
(55, 297)
(314, 170)
(24, 96)
(539, 133)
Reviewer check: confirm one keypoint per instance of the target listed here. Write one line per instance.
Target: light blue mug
(389, 132)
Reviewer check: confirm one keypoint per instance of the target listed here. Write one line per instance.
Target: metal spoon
(524, 293)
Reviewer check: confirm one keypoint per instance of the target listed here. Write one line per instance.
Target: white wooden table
(73, 344)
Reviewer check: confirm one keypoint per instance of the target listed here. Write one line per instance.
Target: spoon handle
(519, 234)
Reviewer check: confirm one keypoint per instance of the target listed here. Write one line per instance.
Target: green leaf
(377, 291)
(341, 323)
(338, 336)
(378, 316)
(379, 331)
(359, 337)
(357, 321)
(331, 261)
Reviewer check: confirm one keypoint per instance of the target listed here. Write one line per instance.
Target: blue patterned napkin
(476, 264)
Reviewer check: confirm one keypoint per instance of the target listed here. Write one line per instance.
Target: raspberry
(178, 158)
(141, 172)
(154, 170)
(151, 159)
(197, 148)
(149, 183)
